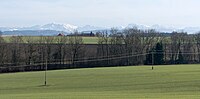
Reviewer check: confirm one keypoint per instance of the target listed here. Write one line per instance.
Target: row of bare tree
(117, 48)
(176, 47)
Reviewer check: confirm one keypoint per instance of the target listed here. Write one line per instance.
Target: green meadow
(36, 39)
(133, 82)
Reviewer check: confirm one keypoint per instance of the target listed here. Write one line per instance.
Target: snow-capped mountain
(68, 28)
(156, 27)
(8, 28)
(139, 26)
(59, 27)
(52, 26)
(90, 28)
(161, 28)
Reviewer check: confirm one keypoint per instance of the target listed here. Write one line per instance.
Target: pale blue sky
(100, 12)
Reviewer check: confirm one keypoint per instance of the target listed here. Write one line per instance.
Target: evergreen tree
(180, 58)
(159, 54)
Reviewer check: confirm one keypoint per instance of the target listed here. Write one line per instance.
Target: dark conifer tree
(159, 54)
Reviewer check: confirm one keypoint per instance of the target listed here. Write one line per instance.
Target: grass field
(86, 40)
(90, 40)
(165, 82)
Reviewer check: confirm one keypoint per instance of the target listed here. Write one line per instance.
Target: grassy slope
(164, 82)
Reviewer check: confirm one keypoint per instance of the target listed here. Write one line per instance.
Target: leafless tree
(3, 49)
(16, 49)
(197, 41)
(177, 39)
(60, 53)
(49, 40)
(75, 48)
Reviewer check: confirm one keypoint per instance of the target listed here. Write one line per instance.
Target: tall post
(45, 76)
(152, 55)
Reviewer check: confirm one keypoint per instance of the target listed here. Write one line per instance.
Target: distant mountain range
(189, 30)
(53, 29)
(53, 26)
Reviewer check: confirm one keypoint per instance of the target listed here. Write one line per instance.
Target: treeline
(143, 46)
(119, 48)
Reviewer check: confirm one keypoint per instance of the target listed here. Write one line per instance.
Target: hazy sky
(100, 12)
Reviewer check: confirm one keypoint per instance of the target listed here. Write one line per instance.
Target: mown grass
(165, 82)
(90, 40)
(36, 39)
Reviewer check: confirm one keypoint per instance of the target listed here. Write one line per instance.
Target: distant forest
(118, 48)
